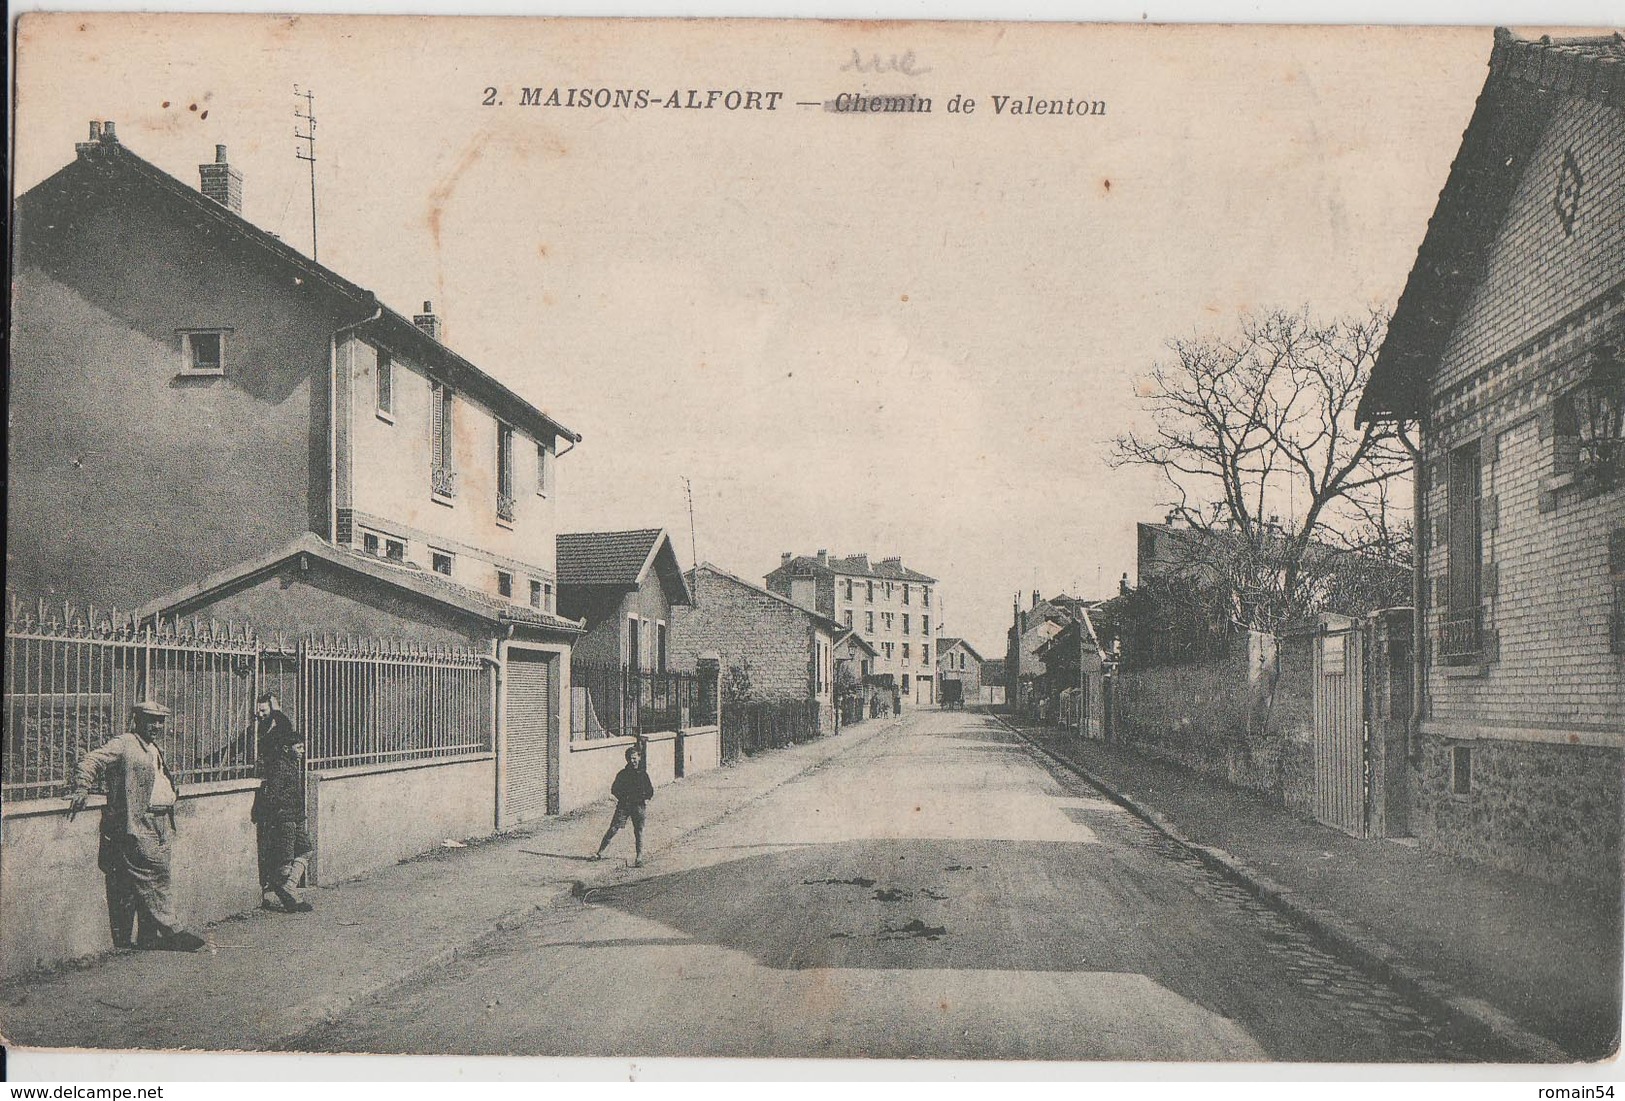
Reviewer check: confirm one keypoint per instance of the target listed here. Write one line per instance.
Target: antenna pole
(308, 153)
(693, 542)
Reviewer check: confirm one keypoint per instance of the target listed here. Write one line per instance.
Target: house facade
(188, 392)
(957, 660)
(1030, 629)
(1505, 352)
(786, 651)
(897, 609)
(623, 586)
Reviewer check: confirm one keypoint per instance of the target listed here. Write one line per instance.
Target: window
(547, 601)
(905, 651)
(1463, 626)
(905, 623)
(849, 619)
(369, 542)
(962, 661)
(374, 543)
(905, 594)
(505, 584)
(441, 562)
(386, 384)
(849, 588)
(203, 351)
(442, 445)
(890, 620)
(505, 502)
(889, 650)
(925, 596)
(871, 591)
(1589, 422)
(925, 653)
(395, 550)
(869, 622)
(544, 470)
(925, 625)
(905, 683)
(634, 651)
(660, 647)
(535, 594)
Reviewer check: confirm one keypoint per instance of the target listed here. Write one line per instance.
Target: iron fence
(72, 677)
(612, 700)
(750, 727)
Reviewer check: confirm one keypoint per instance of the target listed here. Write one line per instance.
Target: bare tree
(1245, 424)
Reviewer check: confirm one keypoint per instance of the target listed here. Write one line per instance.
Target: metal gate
(1342, 758)
(529, 760)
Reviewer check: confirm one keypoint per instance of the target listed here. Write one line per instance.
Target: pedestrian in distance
(278, 812)
(632, 791)
(138, 826)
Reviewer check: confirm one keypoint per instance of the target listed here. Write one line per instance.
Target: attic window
(1566, 200)
(203, 351)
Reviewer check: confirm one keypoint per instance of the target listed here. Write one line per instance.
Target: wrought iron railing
(443, 480)
(505, 507)
(1462, 635)
(611, 700)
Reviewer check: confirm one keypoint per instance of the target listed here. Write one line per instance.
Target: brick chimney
(898, 562)
(101, 133)
(1036, 598)
(823, 557)
(784, 558)
(219, 181)
(428, 320)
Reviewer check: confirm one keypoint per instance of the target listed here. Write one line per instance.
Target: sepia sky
(900, 334)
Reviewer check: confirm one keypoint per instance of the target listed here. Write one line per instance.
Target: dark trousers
(624, 811)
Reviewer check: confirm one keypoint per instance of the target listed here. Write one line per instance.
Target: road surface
(942, 891)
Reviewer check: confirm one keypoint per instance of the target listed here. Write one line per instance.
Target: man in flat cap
(138, 822)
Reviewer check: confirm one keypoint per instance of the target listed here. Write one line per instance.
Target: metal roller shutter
(529, 729)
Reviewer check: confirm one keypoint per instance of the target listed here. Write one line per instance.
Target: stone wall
(1246, 719)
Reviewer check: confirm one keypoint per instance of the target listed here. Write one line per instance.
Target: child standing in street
(632, 791)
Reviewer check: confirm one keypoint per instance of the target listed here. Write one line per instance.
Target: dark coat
(281, 795)
(632, 786)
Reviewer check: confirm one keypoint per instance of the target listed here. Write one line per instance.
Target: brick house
(188, 392)
(1029, 630)
(958, 660)
(1505, 351)
(897, 609)
(787, 650)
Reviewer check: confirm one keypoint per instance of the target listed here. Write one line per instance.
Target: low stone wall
(589, 767)
(53, 900)
(366, 818)
(1550, 811)
(1246, 719)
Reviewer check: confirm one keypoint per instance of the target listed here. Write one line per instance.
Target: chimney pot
(108, 133)
(95, 130)
(1036, 598)
(219, 154)
(1122, 584)
(784, 558)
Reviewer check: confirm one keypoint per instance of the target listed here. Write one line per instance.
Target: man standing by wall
(279, 808)
(138, 823)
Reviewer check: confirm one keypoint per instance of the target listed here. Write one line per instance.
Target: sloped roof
(110, 160)
(849, 635)
(856, 565)
(717, 571)
(947, 643)
(1527, 81)
(620, 559)
(400, 575)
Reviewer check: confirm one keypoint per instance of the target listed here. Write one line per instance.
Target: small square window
(394, 550)
(505, 584)
(204, 352)
(535, 594)
(369, 543)
(441, 562)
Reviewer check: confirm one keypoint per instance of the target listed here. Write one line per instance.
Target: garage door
(530, 775)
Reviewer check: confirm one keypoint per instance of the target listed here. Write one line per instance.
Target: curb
(323, 1012)
(1475, 1014)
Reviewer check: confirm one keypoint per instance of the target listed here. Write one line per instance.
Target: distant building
(787, 650)
(1506, 349)
(898, 610)
(1029, 630)
(958, 661)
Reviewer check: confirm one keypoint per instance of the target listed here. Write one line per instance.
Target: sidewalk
(1512, 954)
(270, 977)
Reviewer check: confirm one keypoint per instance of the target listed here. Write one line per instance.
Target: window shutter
(448, 442)
(436, 428)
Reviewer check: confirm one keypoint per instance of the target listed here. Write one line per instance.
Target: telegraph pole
(308, 153)
(693, 541)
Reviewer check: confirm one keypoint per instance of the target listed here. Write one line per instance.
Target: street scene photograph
(963, 543)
